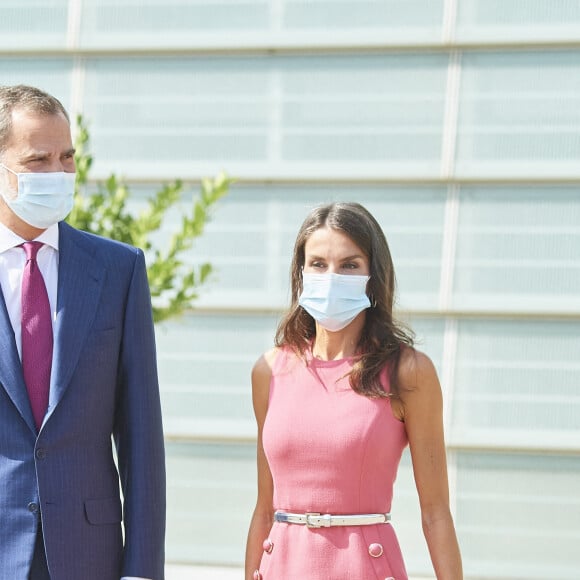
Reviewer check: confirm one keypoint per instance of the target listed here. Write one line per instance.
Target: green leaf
(174, 285)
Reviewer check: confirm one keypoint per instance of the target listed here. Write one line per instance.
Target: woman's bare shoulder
(416, 370)
(264, 365)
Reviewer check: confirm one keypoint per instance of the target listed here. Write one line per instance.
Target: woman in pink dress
(336, 403)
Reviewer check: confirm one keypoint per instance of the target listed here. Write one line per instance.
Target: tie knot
(31, 249)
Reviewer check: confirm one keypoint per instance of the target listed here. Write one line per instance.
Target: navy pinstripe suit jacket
(103, 384)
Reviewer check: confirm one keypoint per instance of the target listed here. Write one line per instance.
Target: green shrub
(174, 283)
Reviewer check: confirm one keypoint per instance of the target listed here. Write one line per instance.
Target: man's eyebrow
(29, 156)
(33, 155)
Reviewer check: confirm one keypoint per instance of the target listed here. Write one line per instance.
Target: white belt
(316, 520)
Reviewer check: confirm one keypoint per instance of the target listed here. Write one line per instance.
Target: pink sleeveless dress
(331, 451)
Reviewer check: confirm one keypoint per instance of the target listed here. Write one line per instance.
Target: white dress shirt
(12, 261)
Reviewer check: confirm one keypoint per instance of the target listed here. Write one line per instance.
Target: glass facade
(457, 123)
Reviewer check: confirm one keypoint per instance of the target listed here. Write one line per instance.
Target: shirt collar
(8, 239)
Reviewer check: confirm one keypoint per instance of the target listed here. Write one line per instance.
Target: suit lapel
(11, 376)
(80, 280)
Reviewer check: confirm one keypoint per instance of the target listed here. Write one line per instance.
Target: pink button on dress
(333, 451)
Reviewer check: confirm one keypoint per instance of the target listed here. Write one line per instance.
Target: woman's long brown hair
(382, 339)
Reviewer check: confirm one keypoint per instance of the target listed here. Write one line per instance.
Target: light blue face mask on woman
(334, 300)
(43, 199)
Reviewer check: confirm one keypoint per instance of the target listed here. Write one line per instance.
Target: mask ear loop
(372, 299)
(13, 193)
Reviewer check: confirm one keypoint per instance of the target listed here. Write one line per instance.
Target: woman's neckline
(319, 361)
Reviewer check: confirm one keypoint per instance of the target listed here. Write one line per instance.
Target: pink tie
(36, 334)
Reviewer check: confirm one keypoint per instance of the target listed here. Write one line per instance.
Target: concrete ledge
(178, 572)
(182, 572)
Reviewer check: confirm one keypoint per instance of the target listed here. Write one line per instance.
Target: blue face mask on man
(43, 199)
(334, 300)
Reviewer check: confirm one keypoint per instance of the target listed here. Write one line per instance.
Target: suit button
(376, 550)
(256, 575)
(40, 453)
(268, 546)
(32, 507)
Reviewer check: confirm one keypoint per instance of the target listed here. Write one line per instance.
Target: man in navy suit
(61, 512)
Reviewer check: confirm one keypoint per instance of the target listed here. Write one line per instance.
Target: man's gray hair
(28, 99)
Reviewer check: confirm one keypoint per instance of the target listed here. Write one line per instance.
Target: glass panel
(38, 24)
(406, 521)
(518, 249)
(517, 516)
(519, 114)
(215, 110)
(49, 74)
(281, 115)
(429, 335)
(493, 20)
(387, 109)
(517, 384)
(205, 363)
(251, 237)
(398, 20)
(155, 23)
(210, 497)
(256, 22)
